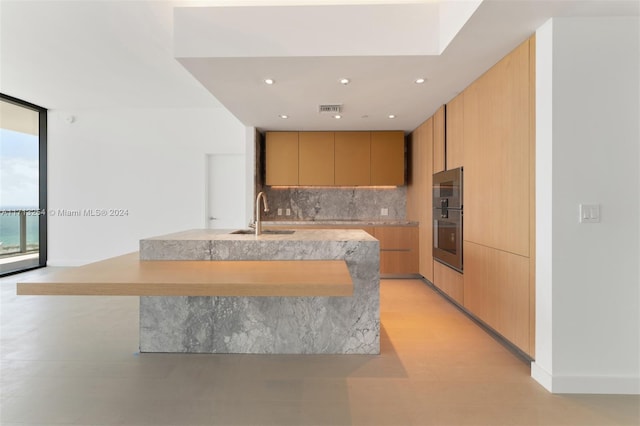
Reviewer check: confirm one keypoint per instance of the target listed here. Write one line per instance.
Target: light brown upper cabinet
(316, 154)
(353, 158)
(335, 158)
(439, 148)
(455, 132)
(387, 158)
(281, 158)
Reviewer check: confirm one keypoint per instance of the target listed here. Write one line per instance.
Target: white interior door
(226, 191)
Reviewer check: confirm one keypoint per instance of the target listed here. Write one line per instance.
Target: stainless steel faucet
(266, 209)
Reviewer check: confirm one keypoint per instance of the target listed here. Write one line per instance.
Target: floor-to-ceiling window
(23, 185)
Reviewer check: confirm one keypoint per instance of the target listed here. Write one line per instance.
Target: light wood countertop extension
(128, 276)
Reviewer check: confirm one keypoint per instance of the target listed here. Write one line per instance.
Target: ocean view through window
(22, 185)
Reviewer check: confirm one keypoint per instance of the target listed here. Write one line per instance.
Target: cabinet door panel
(396, 237)
(316, 158)
(398, 263)
(281, 158)
(496, 289)
(419, 193)
(496, 155)
(387, 158)
(399, 249)
(353, 158)
(415, 193)
(449, 281)
(455, 132)
(439, 148)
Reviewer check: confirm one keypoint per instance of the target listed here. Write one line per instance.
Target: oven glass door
(447, 237)
(447, 189)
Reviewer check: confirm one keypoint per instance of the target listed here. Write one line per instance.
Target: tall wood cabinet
(419, 193)
(499, 260)
(490, 131)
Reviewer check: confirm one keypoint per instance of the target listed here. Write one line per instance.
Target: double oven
(447, 218)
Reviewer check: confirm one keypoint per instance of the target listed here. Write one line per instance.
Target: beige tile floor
(74, 360)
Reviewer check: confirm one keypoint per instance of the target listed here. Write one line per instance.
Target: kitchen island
(266, 324)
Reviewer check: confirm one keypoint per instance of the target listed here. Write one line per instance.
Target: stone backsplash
(336, 203)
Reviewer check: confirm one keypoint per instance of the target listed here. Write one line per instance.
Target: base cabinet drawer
(449, 281)
(398, 263)
(399, 246)
(399, 251)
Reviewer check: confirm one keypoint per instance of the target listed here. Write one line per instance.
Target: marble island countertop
(222, 244)
(222, 324)
(296, 235)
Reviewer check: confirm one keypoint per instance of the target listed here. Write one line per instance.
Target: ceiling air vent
(330, 108)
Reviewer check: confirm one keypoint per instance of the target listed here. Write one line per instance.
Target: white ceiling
(94, 54)
(90, 54)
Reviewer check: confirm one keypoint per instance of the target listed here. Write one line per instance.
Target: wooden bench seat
(127, 275)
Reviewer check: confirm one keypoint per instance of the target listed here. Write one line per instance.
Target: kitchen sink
(266, 231)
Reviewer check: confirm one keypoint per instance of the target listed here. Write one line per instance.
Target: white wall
(592, 106)
(150, 162)
(542, 368)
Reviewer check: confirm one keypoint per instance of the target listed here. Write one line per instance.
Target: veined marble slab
(269, 325)
(358, 203)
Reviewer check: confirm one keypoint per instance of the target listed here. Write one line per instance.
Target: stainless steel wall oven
(447, 218)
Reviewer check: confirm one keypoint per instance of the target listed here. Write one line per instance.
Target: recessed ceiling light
(391, 116)
(283, 116)
(420, 80)
(269, 81)
(337, 116)
(345, 81)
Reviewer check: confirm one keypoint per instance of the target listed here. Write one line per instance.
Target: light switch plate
(384, 211)
(589, 213)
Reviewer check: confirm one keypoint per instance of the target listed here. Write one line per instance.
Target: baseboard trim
(617, 385)
(611, 385)
(541, 376)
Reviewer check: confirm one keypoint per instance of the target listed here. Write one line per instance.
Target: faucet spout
(263, 196)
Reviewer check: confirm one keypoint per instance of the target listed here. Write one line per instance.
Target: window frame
(42, 181)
